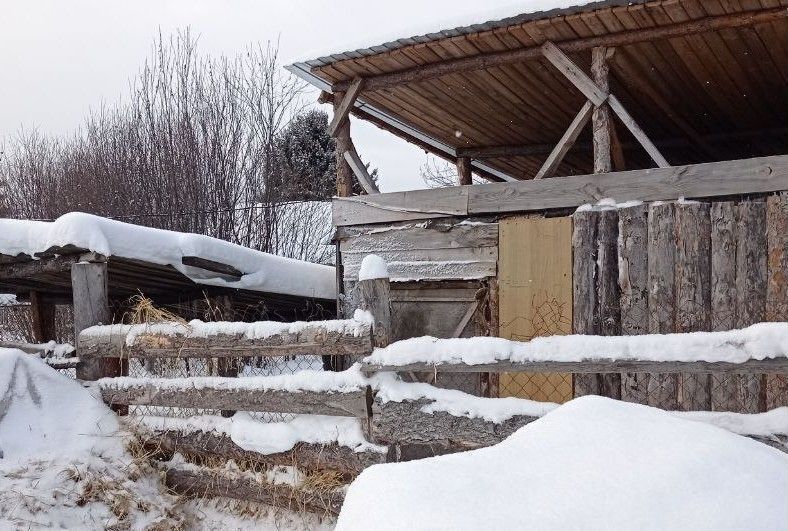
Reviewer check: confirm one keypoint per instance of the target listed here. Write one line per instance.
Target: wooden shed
(664, 121)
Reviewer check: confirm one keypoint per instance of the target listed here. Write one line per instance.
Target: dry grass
(143, 311)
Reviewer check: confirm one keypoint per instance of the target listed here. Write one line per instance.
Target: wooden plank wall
(446, 249)
(681, 267)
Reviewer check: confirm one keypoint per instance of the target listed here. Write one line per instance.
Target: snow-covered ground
(64, 464)
(594, 463)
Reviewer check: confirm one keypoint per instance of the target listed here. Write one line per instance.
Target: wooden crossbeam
(599, 97)
(360, 171)
(621, 38)
(571, 134)
(343, 109)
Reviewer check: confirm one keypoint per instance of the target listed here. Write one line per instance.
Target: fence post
(91, 307)
(375, 297)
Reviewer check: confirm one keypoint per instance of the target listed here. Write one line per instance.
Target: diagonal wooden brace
(599, 97)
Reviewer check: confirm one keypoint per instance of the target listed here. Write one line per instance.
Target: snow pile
(608, 203)
(372, 267)
(760, 341)
(593, 463)
(44, 414)
(256, 330)
(262, 271)
(271, 437)
(8, 299)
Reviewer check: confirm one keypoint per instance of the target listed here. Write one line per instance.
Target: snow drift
(44, 414)
(594, 463)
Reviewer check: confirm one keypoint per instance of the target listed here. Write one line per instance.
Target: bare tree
(437, 173)
(194, 148)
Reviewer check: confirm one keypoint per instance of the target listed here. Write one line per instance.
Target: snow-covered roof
(262, 272)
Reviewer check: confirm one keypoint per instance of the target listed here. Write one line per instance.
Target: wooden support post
(572, 132)
(633, 285)
(464, 171)
(777, 286)
(360, 171)
(91, 307)
(227, 367)
(375, 297)
(601, 118)
(42, 313)
(343, 144)
(693, 294)
(661, 294)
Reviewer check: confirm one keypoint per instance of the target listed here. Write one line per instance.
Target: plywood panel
(535, 283)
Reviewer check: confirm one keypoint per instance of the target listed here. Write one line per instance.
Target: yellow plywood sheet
(535, 298)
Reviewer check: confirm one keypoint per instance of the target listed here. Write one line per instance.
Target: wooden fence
(402, 426)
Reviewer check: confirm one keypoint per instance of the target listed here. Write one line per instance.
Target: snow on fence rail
(760, 348)
(198, 339)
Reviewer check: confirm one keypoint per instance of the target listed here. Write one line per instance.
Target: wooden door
(535, 298)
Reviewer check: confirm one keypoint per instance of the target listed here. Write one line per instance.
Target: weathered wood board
(535, 296)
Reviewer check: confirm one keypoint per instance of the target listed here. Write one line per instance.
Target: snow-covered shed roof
(702, 79)
(155, 252)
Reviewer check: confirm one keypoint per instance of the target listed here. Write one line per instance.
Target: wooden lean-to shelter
(674, 112)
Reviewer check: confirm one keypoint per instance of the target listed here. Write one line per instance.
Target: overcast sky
(60, 58)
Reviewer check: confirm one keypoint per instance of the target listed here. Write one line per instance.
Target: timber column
(343, 144)
(91, 307)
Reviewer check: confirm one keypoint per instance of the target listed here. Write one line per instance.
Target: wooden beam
(91, 307)
(315, 339)
(601, 118)
(713, 179)
(360, 171)
(306, 456)
(213, 266)
(621, 38)
(226, 393)
(42, 312)
(464, 171)
(598, 96)
(571, 134)
(342, 110)
(601, 366)
(343, 143)
(194, 482)
(574, 73)
(637, 132)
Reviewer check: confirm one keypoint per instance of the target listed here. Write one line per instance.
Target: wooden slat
(633, 283)
(724, 388)
(401, 206)
(756, 175)
(693, 293)
(777, 286)
(213, 266)
(662, 390)
(751, 289)
(317, 339)
(439, 234)
(225, 393)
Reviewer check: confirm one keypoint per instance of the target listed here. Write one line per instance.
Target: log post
(227, 367)
(464, 171)
(374, 297)
(777, 286)
(91, 307)
(42, 313)
(600, 119)
(584, 299)
(608, 293)
(343, 144)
